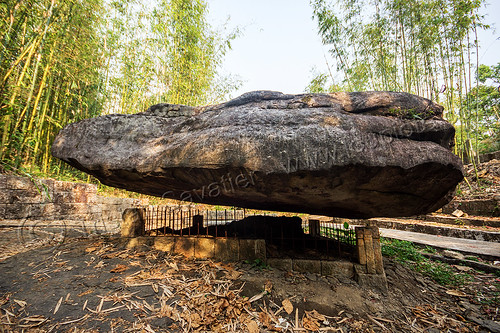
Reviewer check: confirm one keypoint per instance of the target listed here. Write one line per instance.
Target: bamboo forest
(62, 61)
(428, 48)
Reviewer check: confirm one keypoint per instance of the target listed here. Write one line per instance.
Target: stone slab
(226, 249)
(139, 241)
(251, 249)
(372, 281)
(19, 183)
(285, 264)
(336, 268)
(204, 247)
(184, 246)
(3, 182)
(166, 244)
(307, 266)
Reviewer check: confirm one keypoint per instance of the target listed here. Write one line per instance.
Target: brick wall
(50, 202)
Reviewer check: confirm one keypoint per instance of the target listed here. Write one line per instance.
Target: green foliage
(442, 273)
(401, 251)
(63, 61)
(429, 249)
(317, 84)
(343, 234)
(257, 264)
(165, 53)
(489, 72)
(408, 254)
(424, 47)
(484, 101)
(49, 74)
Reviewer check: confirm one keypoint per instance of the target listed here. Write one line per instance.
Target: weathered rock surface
(358, 155)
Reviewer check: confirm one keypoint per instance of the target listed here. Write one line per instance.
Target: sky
(279, 45)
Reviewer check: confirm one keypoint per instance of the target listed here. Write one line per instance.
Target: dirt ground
(96, 285)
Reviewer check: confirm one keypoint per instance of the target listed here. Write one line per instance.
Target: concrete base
(224, 249)
(370, 281)
(322, 267)
(230, 249)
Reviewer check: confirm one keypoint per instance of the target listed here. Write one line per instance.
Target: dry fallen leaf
(456, 293)
(310, 324)
(265, 319)
(58, 305)
(135, 263)
(315, 315)
(100, 264)
(252, 327)
(196, 320)
(287, 305)
(90, 291)
(90, 249)
(463, 268)
(22, 304)
(268, 286)
(233, 275)
(37, 320)
(119, 268)
(257, 297)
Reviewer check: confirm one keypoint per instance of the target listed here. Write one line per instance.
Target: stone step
(476, 221)
(476, 207)
(436, 229)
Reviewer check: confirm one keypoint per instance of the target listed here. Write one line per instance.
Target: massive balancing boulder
(356, 155)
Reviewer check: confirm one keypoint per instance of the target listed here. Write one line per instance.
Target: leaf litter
(169, 293)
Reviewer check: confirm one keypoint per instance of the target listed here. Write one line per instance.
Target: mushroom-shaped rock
(356, 155)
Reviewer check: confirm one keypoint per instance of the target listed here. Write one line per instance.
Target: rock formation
(357, 155)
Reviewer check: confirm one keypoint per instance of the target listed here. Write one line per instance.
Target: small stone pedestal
(369, 272)
(133, 223)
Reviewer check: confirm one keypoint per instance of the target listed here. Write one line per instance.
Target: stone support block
(133, 223)
(17, 211)
(369, 250)
(336, 268)
(166, 244)
(184, 246)
(204, 247)
(226, 249)
(307, 266)
(285, 264)
(251, 249)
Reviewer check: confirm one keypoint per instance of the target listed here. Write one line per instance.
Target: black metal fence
(169, 220)
(296, 235)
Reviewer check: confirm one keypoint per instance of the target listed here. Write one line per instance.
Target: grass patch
(257, 264)
(408, 254)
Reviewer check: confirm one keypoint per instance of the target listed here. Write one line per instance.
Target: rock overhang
(362, 154)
